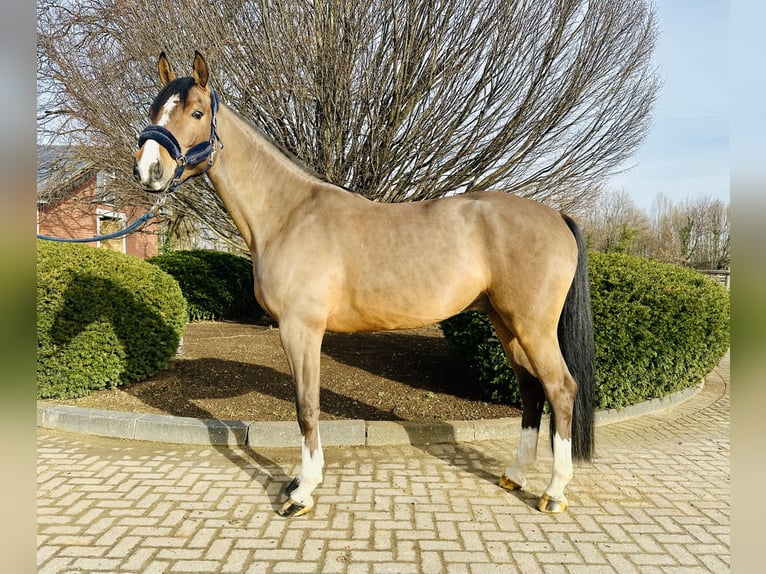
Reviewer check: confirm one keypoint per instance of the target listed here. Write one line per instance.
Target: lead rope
(132, 228)
(166, 139)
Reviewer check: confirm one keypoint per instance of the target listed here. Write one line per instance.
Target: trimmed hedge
(658, 329)
(103, 319)
(472, 340)
(217, 286)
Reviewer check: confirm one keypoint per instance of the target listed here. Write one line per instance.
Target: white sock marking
(526, 455)
(311, 472)
(562, 467)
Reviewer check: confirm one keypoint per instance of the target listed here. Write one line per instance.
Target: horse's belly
(410, 301)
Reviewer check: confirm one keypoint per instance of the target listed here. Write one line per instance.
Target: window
(109, 222)
(105, 187)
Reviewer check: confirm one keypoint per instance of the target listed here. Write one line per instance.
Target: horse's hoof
(290, 488)
(292, 509)
(551, 505)
(509, 484)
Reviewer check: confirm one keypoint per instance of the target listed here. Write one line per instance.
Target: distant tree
(694, 232)
(664, 243)
(705, 233)
(399, 100)
(615, 224)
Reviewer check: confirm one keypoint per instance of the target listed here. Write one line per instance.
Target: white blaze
(167, 109)
(151, 150)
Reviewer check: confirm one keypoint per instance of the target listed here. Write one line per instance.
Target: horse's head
(181, 141)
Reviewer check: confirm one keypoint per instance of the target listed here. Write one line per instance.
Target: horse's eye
(197, 115)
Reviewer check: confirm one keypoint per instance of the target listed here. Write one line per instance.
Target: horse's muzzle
(152, 180)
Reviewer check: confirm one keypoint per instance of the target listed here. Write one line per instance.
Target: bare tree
(695, 232)
(615, 223)
(399, 100)
(705, 233)
(719, 253)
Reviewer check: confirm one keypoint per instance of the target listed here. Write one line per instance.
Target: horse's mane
(182, 86)
(282, 150)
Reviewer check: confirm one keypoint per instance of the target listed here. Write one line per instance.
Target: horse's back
(405, 265)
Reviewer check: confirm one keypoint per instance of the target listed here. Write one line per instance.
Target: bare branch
(400, 100)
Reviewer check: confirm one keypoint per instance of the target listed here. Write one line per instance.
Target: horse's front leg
(302, 345)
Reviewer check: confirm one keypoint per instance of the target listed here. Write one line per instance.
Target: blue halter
(197, 154)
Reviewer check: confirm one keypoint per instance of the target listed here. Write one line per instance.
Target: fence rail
(721, 275)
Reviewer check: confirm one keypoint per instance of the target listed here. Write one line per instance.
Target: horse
(328, 259)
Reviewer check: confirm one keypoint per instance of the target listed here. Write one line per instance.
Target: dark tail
(576, 341)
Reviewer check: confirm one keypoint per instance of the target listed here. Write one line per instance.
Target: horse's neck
(259, 186)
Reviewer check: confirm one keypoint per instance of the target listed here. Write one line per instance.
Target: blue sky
(686, 153)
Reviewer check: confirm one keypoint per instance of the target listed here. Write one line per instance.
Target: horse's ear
(166, 72)
(200, 70)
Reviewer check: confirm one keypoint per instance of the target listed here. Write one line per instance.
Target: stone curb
(280, 434)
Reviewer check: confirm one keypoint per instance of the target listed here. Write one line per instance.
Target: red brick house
(78, 207)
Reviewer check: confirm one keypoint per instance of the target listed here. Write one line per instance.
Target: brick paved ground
(656, 499)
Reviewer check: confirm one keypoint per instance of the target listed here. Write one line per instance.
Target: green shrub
(217, 286)
(103, 319)
(473, 341)
(658, 329)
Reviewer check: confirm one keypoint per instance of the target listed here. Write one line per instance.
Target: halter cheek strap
(197, 154)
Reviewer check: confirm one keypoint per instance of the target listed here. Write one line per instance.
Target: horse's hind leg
(302, 345)
(532, 401)
(542, 374)
(560, 390)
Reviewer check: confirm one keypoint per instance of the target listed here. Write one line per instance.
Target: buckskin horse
(327, 259)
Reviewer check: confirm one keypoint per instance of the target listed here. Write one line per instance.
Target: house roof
(59, 171)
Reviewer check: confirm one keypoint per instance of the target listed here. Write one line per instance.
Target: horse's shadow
(88, 298)
(279, 385)
(434, 367)
(74, 317)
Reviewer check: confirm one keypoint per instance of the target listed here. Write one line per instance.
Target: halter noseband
(198, 153)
